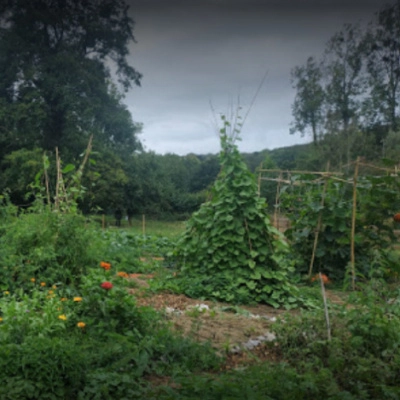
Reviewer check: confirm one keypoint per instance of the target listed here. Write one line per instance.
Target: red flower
(396, 217)
(107, 285)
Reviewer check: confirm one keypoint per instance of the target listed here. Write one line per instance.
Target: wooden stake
(144, 224)
(353, 226)
(103, 221)
(319, 223)
(328, 324)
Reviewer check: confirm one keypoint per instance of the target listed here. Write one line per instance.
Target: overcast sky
(196, 52)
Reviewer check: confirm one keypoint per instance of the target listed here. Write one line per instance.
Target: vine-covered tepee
(230, 251)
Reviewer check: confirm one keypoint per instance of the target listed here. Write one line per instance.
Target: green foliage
(230, 250)
(61, 73)
(95, 343)
(42, 367)
(360, 362)
(374, 227)
(308, 105)
(51, 246)
(362, 358)
(19, 170)
(108, 311)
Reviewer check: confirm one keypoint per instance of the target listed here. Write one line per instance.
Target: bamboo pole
(46, 177)
(328, 324)
(277, 211)
(302, 172)
(103, 221)
(353, 226)
(144, 225)
(319, 223)
(57, 200)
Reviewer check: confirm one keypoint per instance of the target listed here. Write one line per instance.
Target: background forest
(65, 72)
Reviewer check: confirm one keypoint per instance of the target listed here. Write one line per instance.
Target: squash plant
(230, 251)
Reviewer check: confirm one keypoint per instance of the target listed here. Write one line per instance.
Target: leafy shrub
(106, 311)
(43, 367)
(363, 356)
(51, 246)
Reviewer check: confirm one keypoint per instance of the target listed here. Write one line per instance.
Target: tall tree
(307, 108)
(56, 58)
(383, 50)
(344, 78)
(345, 85)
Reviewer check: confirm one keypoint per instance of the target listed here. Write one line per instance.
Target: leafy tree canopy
(57, 58)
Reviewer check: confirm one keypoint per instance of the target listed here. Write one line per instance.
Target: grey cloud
(191, 52)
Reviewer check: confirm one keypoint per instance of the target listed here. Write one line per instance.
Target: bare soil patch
(223, 325)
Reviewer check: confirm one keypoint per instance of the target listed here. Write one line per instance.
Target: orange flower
(396, 217)
(42, 283)
(325, 279)
(122, 274)
(81, 325)
(33, 279)
(78, 299)
(105, 265)
(64, 299)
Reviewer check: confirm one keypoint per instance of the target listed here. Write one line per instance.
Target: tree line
(65, 73)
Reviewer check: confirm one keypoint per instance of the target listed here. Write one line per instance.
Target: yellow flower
(64, 299)
(62, 316)
(78, 299)
(1, 319)
(81, 324)
(42, 283)
(33, 279)
(6, 292)
(54, 287)
(51, 291)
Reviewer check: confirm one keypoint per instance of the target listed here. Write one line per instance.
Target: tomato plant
(377, 198)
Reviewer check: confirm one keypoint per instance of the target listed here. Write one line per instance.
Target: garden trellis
(356, 218)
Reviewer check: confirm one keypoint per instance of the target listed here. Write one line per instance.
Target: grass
(168, 229)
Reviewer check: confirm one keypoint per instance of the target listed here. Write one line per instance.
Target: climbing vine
(230, 251)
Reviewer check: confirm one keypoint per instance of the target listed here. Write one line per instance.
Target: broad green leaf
(68, 168)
